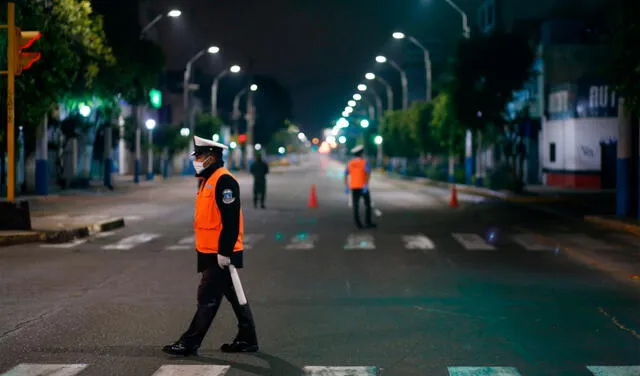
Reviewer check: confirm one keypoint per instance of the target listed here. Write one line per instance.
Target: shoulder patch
(227, 196)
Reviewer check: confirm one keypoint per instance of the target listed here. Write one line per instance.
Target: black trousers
(259, 192)
(356, 194)
(214, 284)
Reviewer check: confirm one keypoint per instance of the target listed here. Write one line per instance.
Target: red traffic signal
(242, 138)
(24, 60)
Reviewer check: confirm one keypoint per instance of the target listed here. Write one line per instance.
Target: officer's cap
(357, 149)
(202, 145)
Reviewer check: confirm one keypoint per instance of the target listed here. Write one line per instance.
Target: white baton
(237, 285)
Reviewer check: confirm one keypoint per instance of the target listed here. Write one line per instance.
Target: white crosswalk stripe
(43, 369)
(131, 242)
(341, 371)
(302, 241)
(251, 239)
(360, 241)
(417, 242)
(183, 244)
(532, 242)
(191, 370)
(28, 369)
(473, 242)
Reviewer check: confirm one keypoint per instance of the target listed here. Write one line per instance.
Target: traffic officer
(259, 170)
(356, 180)
(218, 227)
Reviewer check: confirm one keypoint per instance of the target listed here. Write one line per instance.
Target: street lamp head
(281, 150)
(381, 59)
(184, 132)
(345, 114)
(364, 123)
(216, 137)
(357, 96)
(258, 147)
(342, 123)
(362, 87)
(398, 35)
(150, 124)
(213, 49)
(370, 76)
(174, 13)
(352, 103)
(253, 87)
(378, 140)
(342, 139)
(84, 110)
(348, 109)
(234, 69)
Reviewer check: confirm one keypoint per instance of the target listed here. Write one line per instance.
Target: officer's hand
(346, 190)
(223, 261)
(365, 189)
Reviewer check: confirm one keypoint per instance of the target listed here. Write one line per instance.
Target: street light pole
(466, 30)
(427, 62)
(214, 88)
(403, 80)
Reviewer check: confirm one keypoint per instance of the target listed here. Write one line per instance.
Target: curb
(61, 236)
(614, 224)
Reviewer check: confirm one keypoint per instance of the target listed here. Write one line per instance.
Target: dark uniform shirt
(230, 215)
(259, 170)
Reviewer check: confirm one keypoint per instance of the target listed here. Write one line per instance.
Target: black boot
(246, 340)
(180, 349)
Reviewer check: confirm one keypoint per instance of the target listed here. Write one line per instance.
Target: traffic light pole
(11, 65)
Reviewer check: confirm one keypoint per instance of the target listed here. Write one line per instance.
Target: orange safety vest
(357, 169)
(207, 222)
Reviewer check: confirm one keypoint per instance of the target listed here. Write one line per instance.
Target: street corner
(629, 226)
(68, 229)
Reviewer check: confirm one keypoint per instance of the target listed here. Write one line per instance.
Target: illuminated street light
(378, 140)
(301, 136)
(345, 114)
(331, 139)
(348, 109)
(362, 87)
(342, 139)
(364, 123)
(253, 87)
(184, 132)
(281, 150)
(235, 69)
(85, 110)
(351, 103)
(398, 35)
(216, 137)
(381, 59)
(174, 13)
(370, 76)
(213, 49)
(258, 147)
(342, 123)
(357, 96)
(150, 124)
(233, 144)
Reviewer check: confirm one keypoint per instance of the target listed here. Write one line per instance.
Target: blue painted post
(42, 160)
(150, 156)
(468, 156)
(137, 164)
(479, 160)
(452, 165)
(624, 159)
(165, 164)
(108, 157)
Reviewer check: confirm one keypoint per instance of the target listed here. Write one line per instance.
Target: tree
(625, 65)
(280, 138)
(400, 138)
(74, 53)
(445, 128)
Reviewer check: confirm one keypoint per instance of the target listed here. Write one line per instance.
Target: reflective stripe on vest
(357, 168)
(207, 222)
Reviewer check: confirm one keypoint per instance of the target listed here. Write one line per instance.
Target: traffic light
(155, 98)
(24, 59)
(242, 138)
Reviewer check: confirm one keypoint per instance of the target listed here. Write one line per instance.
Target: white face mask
(199, 166)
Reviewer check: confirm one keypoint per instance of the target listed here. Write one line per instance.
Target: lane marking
(483, 371)
(131, 242)
(614, 370)
(583, 240)
(341, 371)
(531, 242)
(74, 243)
(473, 242)
(360, 241)
(105, 234)
(250, 240)
(28, 369)
(179, 247)
(132, 218)
(188, 240)
(419, 241)
(191, 370)
(302, 241)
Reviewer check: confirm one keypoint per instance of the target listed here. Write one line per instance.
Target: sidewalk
(71, 214)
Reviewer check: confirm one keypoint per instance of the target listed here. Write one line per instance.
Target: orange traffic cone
(313, 199)
(453, 203)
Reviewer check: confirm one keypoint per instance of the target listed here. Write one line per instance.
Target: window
(552, 152)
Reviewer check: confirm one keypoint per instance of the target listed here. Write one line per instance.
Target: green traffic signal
(155, 98)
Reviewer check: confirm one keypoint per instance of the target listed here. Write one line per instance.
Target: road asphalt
(483, 289)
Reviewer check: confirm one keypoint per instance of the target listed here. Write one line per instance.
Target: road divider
(60, 232)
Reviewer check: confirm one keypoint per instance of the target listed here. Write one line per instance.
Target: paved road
(427, 293)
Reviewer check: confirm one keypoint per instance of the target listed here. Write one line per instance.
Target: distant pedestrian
(356, 181)
(259, 170)
(219, 228)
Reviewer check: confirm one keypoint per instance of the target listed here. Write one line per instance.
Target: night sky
(317, 49)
